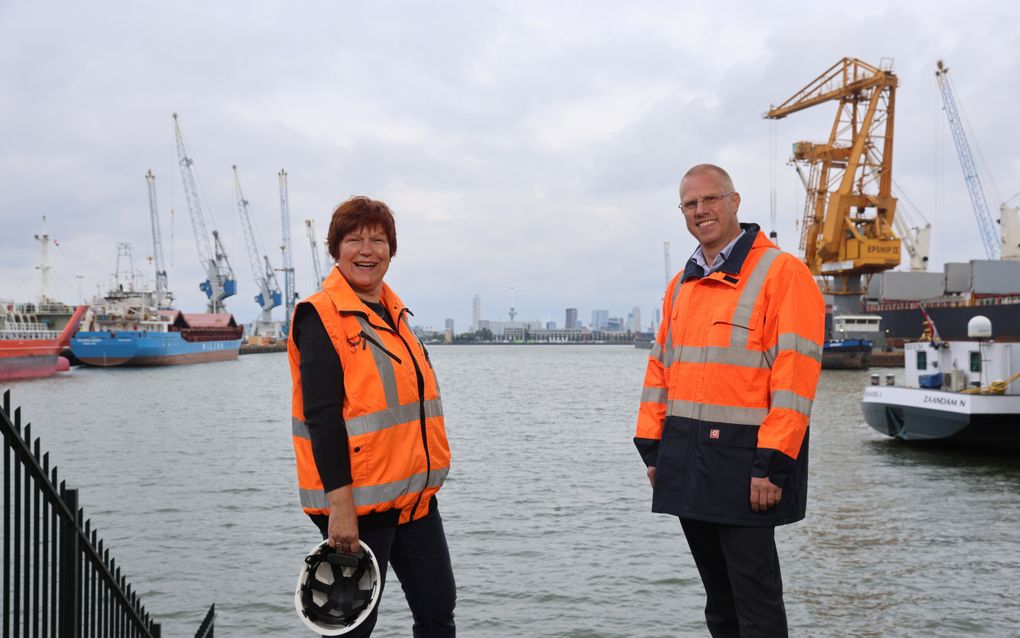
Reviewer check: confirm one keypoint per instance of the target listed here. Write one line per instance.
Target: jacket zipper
(421, 417)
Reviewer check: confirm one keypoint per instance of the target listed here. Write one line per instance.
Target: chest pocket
(726, 332)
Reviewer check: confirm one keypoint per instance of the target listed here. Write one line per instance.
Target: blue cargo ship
(157, 338)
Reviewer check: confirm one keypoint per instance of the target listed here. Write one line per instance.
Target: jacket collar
(752, 238)
(346, 300)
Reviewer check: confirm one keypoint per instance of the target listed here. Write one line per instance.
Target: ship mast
(44, 265)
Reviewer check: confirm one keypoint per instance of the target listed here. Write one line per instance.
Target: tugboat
(960, 391)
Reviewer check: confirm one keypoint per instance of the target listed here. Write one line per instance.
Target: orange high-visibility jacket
(729, 386)
(399, 455)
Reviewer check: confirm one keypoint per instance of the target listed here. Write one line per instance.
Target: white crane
(269, 295)
(320, 272)
(289, 294)
(220, 282)
(164, 298)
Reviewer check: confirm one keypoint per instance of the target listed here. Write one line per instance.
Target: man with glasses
(723, 422)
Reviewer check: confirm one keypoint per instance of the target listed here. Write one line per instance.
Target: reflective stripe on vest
(378, 420)
(716, 413)
(376, 494)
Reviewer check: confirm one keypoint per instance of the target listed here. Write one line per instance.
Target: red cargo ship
(29, 350)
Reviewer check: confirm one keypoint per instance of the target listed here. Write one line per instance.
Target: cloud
(528, 145)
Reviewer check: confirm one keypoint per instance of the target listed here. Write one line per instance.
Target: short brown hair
(358, 213)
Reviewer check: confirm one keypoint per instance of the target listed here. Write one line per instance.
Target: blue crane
(269, 295)
(220, 282)
(989, 234)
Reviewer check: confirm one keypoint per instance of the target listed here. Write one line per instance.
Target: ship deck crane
(996, 245)
(220, 282)
(847, 230)
(289, 294)
(164, 298)
(269, 295)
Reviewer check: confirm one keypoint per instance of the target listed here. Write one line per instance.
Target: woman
(368, 424)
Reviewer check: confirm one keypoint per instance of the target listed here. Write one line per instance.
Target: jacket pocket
(726, 331)
(671, 467)
(725, 455)
(360, 454)
(367, 339)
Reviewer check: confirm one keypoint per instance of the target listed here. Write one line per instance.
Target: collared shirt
(720, 259)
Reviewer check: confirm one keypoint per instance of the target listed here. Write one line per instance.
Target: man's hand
(764, 494)
(651, 476)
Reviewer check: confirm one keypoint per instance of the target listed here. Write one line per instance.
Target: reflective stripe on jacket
(399, 454)
(729, 386)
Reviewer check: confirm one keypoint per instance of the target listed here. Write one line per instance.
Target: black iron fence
(59, 580)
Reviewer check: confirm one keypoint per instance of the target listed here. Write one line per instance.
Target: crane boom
(290, 295)
(989, 234)
(850, 174)
(310, 230)
(220, 282)
(269, 295)
(163, 296)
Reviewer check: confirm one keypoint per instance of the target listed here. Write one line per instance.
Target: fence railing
(59, 580)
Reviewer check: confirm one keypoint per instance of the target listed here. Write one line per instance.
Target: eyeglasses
(709, 201)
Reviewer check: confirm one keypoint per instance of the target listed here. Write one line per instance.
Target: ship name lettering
(942, 400)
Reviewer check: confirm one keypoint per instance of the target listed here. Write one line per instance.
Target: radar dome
(979, 327)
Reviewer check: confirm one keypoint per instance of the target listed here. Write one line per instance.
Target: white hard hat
(336, 591)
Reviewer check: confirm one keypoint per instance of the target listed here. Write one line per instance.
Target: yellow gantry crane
(847, 229)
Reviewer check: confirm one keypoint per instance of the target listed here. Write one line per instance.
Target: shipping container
(896, 285)
(957, 278)
(995, 277)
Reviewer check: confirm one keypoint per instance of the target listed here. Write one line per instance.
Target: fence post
(69, 613)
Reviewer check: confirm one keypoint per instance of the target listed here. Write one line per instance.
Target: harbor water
(187, 472)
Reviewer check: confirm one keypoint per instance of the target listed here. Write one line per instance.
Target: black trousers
(421, 559)
(739, 567)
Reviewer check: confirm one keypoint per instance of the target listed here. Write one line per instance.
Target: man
(723, 423)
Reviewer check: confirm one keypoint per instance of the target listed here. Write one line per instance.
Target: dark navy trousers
(421, 559)
(739, 567)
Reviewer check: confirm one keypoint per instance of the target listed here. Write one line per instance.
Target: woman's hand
(343, 522)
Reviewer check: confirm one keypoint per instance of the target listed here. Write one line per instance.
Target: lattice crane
(849, 211)
(289, 294)
(320, 272)
(220, 282)
(269, 296)
(164, 298)
(1006, 245)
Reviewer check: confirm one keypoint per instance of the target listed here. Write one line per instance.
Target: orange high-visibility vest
(396, 436)
(730, 383)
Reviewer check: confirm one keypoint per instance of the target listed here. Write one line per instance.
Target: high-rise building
(449, 325)
(476, 313)
(599, 319)
(571, 322)
(635, 319)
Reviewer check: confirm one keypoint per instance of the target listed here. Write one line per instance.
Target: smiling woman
(368, 430)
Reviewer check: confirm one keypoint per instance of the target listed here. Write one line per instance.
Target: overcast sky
(531, 151)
